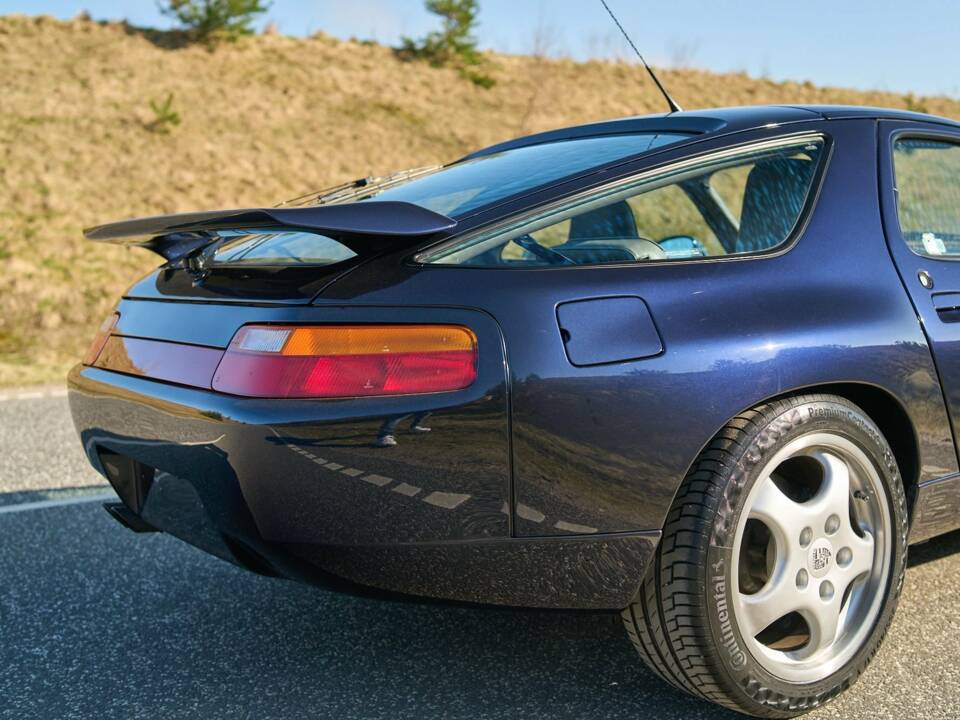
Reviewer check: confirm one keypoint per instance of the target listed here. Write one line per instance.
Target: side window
(669, 212)
(730, 184)
(928, 195)
(728, 204)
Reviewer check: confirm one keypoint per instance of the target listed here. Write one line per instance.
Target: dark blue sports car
(703, 366)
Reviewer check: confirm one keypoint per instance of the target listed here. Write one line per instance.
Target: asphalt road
(97, 622)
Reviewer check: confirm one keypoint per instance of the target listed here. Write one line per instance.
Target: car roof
(715, 121)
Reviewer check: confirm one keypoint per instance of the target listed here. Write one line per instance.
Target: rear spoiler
(361, 226)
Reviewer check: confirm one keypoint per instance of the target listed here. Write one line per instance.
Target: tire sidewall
(746, 677)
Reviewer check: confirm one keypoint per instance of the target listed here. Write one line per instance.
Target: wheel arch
(882, 407)
(889, 415)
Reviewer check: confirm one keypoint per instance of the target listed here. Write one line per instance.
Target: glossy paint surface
(697, 122)
(191, 365)
(245, 480)
(607, 330)
(395, 219)
(934, 305)
(547, 481)
(607, 446)
(302, 464)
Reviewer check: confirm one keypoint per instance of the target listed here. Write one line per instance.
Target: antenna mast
(670, 101)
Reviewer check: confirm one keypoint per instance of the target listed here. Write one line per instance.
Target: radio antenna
(670, 101)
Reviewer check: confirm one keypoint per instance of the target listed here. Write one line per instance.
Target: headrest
(610, 221)
(772, 200)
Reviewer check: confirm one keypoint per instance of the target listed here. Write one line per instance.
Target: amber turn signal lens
(100, 339)
(330, 361)
(379, 339)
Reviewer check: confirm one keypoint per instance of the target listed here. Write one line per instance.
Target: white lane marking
(352, 472)
(446, 500)
(378, 480)
(333, 466)
(529, 513)
(573, 527)
(33, 394)
(43, 504)
(405, 489)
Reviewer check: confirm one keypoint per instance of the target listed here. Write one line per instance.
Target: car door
(920, 198)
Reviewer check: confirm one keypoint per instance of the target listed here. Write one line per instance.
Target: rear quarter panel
(605, 448)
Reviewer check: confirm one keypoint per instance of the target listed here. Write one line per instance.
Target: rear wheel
(781, 561)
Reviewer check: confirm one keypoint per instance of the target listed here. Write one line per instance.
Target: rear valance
(353, 224)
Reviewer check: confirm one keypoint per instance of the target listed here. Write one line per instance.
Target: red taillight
(100, 339)
(347, 361)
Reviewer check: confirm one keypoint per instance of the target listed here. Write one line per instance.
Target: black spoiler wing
(361, 226)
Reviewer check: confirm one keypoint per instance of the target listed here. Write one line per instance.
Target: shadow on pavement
(935, 549)
(98, 622)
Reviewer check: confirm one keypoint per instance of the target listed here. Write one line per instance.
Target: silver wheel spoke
(777, 599)
(834, 494)
(779, 513)
(823, 619)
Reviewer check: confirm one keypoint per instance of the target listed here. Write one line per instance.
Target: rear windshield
(459, 189)
(274, 247)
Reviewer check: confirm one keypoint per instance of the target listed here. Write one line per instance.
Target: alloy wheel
(812, 557)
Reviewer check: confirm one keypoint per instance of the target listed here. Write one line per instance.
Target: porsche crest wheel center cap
(820, 558)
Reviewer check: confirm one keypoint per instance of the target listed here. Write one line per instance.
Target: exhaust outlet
(129, 519)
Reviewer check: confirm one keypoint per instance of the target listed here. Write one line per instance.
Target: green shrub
(212, 20)
(454, 44)
(164, 116)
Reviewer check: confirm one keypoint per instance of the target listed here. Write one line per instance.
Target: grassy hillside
(262, 120)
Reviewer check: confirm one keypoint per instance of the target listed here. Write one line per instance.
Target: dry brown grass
(264, 119)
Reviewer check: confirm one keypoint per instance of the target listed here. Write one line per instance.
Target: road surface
(97, 622)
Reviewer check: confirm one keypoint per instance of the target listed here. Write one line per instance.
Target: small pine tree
(454, 44)
(211, 20)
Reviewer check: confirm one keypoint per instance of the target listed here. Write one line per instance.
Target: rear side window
(731, 203)
(928, 195)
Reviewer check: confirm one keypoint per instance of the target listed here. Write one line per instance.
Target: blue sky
(852, 43)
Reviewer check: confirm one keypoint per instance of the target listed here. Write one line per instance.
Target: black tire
(678, 622)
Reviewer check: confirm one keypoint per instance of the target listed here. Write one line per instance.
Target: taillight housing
(336, 361)
(100, 339)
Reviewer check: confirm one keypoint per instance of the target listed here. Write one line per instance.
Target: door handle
(947, 306)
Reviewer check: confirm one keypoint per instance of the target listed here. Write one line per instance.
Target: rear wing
(361, 226)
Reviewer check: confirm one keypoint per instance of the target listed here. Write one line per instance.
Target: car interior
(771, 198)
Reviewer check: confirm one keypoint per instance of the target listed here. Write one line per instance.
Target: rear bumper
(301, 489)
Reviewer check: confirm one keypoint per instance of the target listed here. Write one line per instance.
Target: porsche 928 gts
(702, 368)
